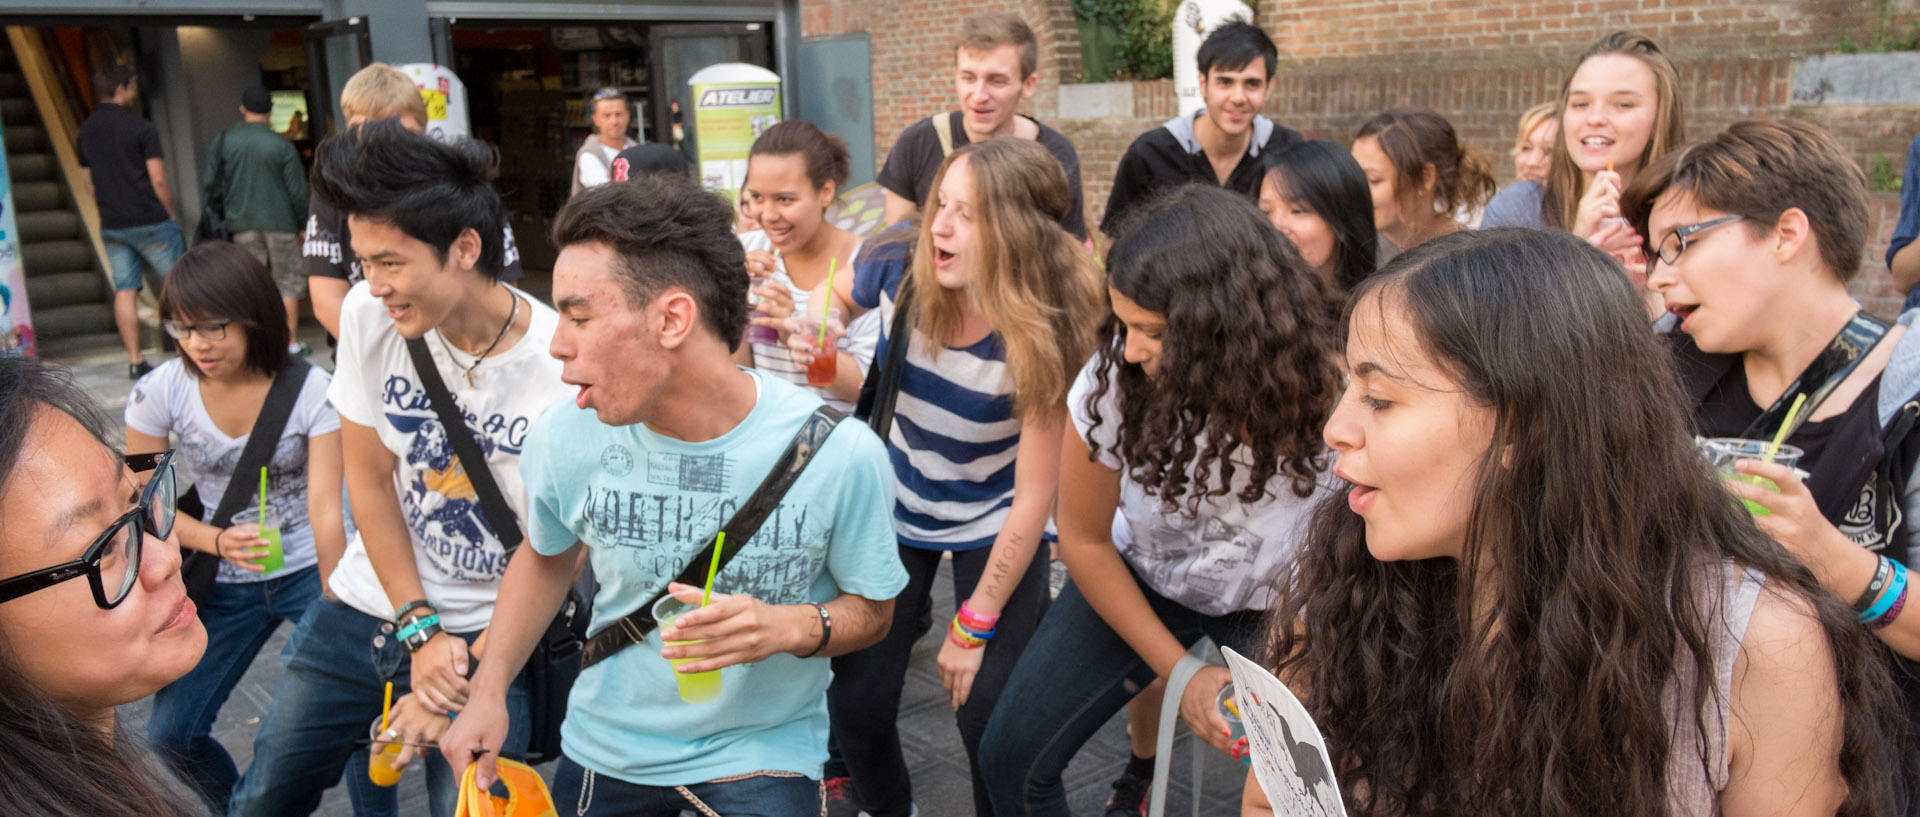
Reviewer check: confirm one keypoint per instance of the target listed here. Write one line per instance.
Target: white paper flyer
(1289, 755)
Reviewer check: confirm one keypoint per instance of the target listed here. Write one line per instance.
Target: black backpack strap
(882, 384)
(746, 521)
(505, 524)
(263, 439)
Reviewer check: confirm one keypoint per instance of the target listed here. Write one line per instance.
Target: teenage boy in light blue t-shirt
(665, 440)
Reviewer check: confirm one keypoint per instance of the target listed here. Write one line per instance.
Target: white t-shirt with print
(455, 548)
(863, 334)
(1231, 555)
(167, 402)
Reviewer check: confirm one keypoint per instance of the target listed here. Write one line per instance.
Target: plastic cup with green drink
(276, 557)
(1724, 452)
(695, 687)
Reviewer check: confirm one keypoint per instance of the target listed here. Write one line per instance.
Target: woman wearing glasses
(86, 623)
(1756, 233)
(227, 323)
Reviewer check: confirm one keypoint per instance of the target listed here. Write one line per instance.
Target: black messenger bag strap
(198, 569)
(460, 436)
(882, 385)
(746, 521)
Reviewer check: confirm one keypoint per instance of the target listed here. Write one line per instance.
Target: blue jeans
(239, 619)
(339, 661)
(1074, 676)
(585, 793)
(160, 244)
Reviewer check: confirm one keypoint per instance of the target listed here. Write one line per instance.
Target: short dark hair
(107, 81)
(824, 153)
(1323, 176)
(1760, 170)
(428, 189)
(219, 280)
(1236, 45)
(668, 232)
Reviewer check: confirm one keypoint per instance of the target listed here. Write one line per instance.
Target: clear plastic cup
(1232, 718)
(695, 687)
(1723, 452)
(380, 768)
(276, 556)
(826, 359)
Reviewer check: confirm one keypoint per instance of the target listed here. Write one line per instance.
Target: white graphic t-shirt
(167, 401)
(457, 551)
(1231, 555)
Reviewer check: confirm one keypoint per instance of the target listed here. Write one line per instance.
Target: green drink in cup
(1723, 452)
(695, 687)
(276, 557)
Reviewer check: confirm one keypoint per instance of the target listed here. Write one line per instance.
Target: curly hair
(1247, 369)
(1532, 675)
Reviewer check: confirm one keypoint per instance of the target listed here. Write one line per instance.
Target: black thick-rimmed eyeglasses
(1677, 239)
(112, 563)
(209, 330)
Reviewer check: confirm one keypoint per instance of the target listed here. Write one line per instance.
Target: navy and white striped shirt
(954, 433)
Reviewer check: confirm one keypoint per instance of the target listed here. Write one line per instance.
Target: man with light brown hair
(995, 61)
(378, 91)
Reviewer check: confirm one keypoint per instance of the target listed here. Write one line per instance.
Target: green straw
(1785, 425)
(713, 566)
(263, 496)
(832, 266)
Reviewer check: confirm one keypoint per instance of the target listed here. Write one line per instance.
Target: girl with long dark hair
(1006, 305)
(1316, 195)
(1537, 599)
(92, 611)
(230, 329)
(1209, 451)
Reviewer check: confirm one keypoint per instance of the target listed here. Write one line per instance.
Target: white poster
(1289, 755)
(16, 327)
(446, 100)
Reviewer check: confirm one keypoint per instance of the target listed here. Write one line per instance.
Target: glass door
(679, 50)
(336, 49)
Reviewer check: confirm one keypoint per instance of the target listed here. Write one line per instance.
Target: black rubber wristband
(826, 630)
(1867, 598)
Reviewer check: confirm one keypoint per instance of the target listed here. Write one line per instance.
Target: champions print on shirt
(439, 503)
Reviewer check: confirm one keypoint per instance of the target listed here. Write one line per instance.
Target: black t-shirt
(916, 157)
(1159, 159)
(329, 247)
(1836, 480)
(114, 148)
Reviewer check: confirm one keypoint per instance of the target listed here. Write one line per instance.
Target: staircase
(72, 305)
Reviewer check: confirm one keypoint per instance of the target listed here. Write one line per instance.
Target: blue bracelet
(1895, 587)
(417, 625)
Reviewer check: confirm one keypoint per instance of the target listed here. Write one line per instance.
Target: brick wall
(1478, 62)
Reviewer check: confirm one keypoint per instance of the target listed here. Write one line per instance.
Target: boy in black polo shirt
(120, 158)
(1223, 142)
(992, 48)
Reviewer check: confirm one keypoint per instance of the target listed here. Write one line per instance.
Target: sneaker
(1129, 796)
(839, 792)
(298, 349)
(135, 371)
(1056, 578)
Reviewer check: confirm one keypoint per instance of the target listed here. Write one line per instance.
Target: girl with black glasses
(92, 611)
(228, 324)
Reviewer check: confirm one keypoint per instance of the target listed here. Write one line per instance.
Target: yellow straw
(386, 708)
(713, 566)
(832, 265)
(1234, 709)
(1781, 436)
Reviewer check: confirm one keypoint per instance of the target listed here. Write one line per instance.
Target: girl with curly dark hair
(1198, 421)
(1537, 599)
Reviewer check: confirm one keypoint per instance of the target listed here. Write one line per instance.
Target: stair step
(48, 257)
(48, 225)
(18, 110)
(12, 84)
(32, 167)
(26, 138)
(39, 196)
(66, 289)
(69, 321)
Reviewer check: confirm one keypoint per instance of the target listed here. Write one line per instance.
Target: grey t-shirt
(1518, 205)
